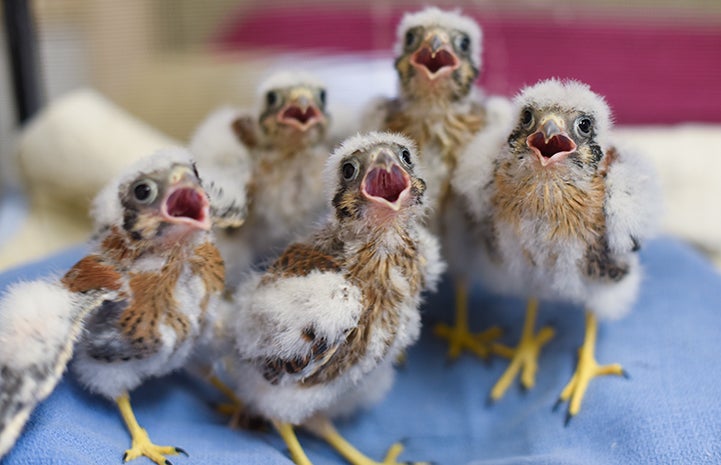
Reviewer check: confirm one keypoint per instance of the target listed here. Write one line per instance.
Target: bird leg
(291, 440)
(323, 427)
(458, 336)
(525, 356)
(141, 443)
(234, 408)
(587, 369)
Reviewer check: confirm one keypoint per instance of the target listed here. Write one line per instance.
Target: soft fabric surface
(667, 412)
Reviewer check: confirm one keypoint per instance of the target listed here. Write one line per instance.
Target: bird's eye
(527, 118)
(271, 98)
(410, 38)
(321, 97)
(584, 126)
(145, 191)
(406, 156)
(349, 170)
(464, 43)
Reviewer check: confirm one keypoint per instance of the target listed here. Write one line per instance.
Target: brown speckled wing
(300, 260)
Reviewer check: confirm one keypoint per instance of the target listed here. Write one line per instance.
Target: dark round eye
(349, 171)
(410, 38)
(464, 43)
(321, 97)
(271, 98)
(406, 156)
(527, 118)
(584, 126)
(145, 191)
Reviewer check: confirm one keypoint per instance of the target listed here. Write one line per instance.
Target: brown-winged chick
(269, 160)
(316, 335)
(157, 256)
(557, 211)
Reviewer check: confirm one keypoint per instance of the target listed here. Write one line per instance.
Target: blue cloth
(669, 411)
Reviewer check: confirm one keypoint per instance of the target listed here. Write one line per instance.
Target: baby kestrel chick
(317, 334)
(281, 151)
(559, 213)
(438, 58)
(158, 257)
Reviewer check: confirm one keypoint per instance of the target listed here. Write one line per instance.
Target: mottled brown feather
(207, 264)
(299, 260)
(92, 273)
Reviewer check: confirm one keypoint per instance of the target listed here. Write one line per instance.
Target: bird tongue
(295, 113)
(442, 59)
(388, 185)
(548, 148)
(187, 203)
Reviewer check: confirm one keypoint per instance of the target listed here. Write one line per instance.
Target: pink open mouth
(188, 205)
(301, 119)
(435, 64)
(387, 187)
(552, 150)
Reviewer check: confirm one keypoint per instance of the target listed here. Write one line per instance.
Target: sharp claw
(181, 451)
(556, 405)
(168, 462)
(625, 374)
(568, 419)
(125, 457)
(490, 402)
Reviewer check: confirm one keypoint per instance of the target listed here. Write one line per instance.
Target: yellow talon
(586, 370)
(141, 444)
(459, 337)
(524, 357)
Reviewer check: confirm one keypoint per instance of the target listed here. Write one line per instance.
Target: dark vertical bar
(22, 46)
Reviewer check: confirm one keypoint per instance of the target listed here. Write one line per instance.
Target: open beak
(551, 143)
(186, 202)
(301, 111)
(385, 182)
(435, 57)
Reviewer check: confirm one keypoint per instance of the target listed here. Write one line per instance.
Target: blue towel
(669, 411)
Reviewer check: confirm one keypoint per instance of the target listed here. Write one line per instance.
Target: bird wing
(633, 200)
(473, 176)
(224, 164)
(39, 324)
(292, 320)
(106, 340)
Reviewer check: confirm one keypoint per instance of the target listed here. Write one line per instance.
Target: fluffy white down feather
(39, 323)
(632, 209)
(268, 324)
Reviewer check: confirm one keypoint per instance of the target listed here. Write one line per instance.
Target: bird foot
(586, 370)
(524, 358)
(459, 338)
(143, 446)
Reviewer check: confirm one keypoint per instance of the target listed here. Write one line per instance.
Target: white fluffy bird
(157, 257)
(317, 334)
(275, 158)
(557, 212)
(438, 57)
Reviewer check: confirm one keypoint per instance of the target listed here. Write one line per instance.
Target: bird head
(157, 199)
(293, 110)
(374, 177)
(438, 54)
(560, 124)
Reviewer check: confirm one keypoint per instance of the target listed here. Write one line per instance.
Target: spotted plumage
(157, 257)
(283, 147)
(558, 212)
(318, 333)
(438, 57)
